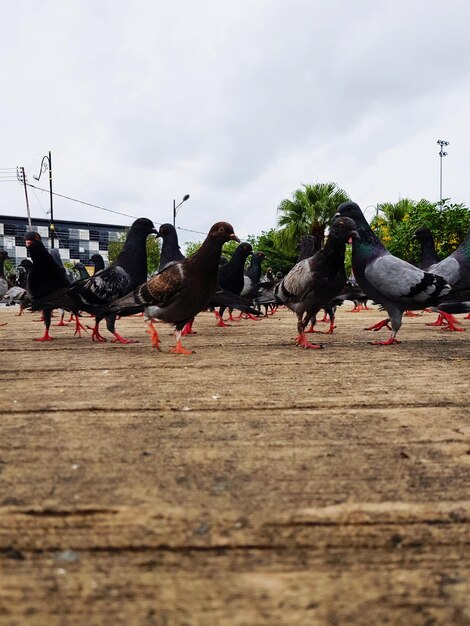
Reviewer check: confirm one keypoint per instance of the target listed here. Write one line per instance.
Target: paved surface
(250, 483)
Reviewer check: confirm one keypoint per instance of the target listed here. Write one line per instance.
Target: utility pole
(442, 154)
(20, 174)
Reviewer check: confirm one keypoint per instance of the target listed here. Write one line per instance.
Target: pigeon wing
(400, 281)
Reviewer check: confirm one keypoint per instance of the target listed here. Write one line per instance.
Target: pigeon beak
(234, 237)
(336, 215)
(353, 235)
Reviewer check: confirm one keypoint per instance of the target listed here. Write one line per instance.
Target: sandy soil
(250, 483)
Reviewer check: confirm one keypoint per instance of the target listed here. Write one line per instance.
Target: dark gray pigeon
(312, 283)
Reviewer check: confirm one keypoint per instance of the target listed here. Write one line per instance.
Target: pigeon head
(166, 229)
(143, 224)
(97, 261)
(3, 255)
(344, 229)
(423, 234)
(259, 255)
(350, 209)
(26, 264)
(223, 231)
(31, 237)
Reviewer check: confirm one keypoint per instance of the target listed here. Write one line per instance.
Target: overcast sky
(237, 104)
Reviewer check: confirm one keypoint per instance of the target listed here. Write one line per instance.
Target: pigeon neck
(428, 253)
(208, 255)
(366, 246)
(254, 270)
(170, 251)
(133, 257)
(39, 254)
(2, 267)
(335, 251)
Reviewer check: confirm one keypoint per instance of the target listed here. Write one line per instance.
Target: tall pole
(175, 207)
(22, 178)
(41, 170)
(442, 154)
(51, 222)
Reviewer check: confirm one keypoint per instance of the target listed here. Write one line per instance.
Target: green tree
(448, 224)
(308, 213)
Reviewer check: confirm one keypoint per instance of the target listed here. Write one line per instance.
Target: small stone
(67, 555)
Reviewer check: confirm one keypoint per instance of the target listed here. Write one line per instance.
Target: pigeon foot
(301, 340)
(379, 325)
(178, 349)
(121, 339)
(387, 342)
(45, 337)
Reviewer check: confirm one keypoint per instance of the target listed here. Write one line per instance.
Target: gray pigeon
(395, 284)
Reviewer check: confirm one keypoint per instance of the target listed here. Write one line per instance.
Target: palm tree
(308, 213)
(395, 212)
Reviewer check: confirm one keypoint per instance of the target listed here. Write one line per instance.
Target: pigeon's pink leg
(178, 349)
(188, 329)
(78, 326)
(154, 338)
(221, 322)
(95, 335)
(380, 325)
(301, 340)
(45, 337)
(452, 324)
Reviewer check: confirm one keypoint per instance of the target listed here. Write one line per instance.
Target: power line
(97, 206)
(90, 204)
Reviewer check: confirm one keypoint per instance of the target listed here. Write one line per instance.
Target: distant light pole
(442, 154)
(46, 163)
(176, 207)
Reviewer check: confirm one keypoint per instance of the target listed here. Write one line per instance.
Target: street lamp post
(176, 207)
(442, 154)
(46, 163)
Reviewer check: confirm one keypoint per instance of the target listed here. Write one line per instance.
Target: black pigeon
(170, 252)
(395, 284)
(44, 278)
(252, 275)
(428, 254)
(231, 274)
(182, 290)
(308, 245)
(98, 262)
(122, 276)
(313, 282)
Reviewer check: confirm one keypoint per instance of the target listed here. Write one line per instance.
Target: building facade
(76, 241)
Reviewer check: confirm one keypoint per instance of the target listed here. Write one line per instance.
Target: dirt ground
(250, 483)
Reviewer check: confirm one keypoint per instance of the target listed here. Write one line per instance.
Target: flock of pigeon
(183, 287)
